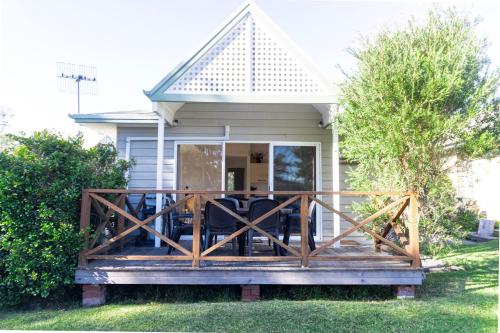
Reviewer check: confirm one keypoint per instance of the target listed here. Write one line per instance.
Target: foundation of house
(250, 293)
(404, 292)
(93, 294)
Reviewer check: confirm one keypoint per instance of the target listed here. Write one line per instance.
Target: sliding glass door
(292, 167)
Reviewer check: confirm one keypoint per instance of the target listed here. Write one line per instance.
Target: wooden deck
(115, 262)
(382, 271)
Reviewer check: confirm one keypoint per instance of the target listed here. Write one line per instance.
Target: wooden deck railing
(106, 203)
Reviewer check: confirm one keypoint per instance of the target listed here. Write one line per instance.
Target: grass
(465, 301)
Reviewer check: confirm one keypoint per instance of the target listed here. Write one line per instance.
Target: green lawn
(460, 301)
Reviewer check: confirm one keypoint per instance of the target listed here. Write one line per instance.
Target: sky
(135, 43)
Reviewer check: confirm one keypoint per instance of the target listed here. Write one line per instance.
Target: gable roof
(248, 60)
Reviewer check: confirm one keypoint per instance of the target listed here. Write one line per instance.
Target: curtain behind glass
(199, 167)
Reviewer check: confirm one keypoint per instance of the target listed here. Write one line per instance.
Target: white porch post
(336, 178)
(159, 174)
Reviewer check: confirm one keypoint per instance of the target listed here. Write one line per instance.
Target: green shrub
(41, 181)
(442, 220)
(467, 215)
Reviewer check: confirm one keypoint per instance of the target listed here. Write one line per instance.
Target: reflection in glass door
(294, 168)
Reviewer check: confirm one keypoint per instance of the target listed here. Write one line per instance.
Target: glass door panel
(199, 166)
(294, 169)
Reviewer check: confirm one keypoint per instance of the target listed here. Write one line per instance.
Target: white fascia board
(114, 118)
(272, 99)
(114, 121)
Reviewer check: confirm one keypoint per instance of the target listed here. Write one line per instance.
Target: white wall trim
(159, 174)
(127, 157)
(336, 182)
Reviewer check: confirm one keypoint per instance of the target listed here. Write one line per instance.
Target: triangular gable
(248, 60)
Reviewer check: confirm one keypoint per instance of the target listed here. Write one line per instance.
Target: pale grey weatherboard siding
(248, 122)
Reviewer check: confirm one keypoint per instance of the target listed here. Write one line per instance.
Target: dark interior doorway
(236, 179)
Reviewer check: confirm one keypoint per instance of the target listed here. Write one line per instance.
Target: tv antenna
(79, 79)
(5, 113)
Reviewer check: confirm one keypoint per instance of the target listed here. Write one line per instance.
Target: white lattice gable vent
(252, 57)
(223, 69)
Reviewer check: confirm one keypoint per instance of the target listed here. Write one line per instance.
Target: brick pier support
(404, 292)
(93, 294)
(250, 293)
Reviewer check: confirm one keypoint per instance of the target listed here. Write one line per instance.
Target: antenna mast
(85, 78)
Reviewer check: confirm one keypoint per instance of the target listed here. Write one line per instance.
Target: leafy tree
(420, 95)
(41, 181)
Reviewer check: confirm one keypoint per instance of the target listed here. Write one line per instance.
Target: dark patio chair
(237, 198)
(257, 208)
(148, 209)
(292, 226)
(219, 222)
(176, 227)
(253, 199)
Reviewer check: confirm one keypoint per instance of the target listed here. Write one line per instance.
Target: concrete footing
(250, 293)
(404, 292)
(93, 294)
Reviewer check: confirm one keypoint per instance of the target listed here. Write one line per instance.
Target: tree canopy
(419, 95)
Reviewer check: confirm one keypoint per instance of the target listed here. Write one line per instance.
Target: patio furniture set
(216, 222)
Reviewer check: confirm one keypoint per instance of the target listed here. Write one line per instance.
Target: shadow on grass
(460, 250)
(479, 270)
(190, 294)
(348, 293)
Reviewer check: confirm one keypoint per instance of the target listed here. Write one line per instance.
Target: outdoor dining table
(186, 218)
(243, 211)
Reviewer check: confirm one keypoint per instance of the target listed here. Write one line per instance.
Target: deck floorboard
(327, 272)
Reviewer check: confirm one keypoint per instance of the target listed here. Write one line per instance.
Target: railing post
(121, 220)
(196, 230)
(413, 247)
(84, 226)
(304, 229)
